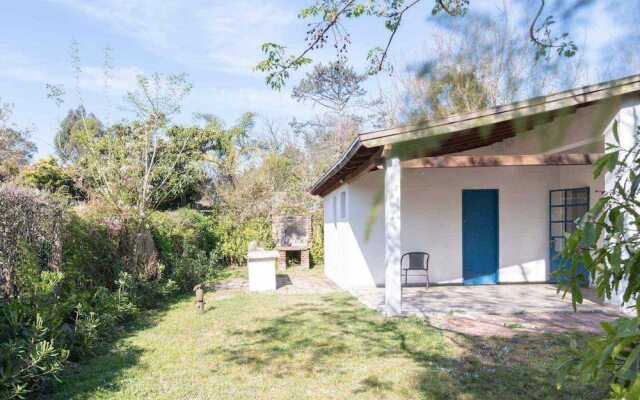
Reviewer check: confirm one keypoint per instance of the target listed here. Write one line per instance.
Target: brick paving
(294, 283)
(483, 299)
(501, 310)
(510, 325)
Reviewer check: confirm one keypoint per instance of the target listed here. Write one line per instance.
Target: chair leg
(427, 281)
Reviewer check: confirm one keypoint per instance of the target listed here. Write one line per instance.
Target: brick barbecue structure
(291, 234)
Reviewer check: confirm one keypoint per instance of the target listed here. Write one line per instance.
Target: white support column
(628, 121)
(392, 243)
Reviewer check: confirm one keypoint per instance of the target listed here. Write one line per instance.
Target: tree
(330, 18)
(67, 139)
(325, 139)
(607, 243)
(334, 86)
(47, 174)
(485, 64)
(338, 90)
(16, 149)
(232, 149)
(135, 164)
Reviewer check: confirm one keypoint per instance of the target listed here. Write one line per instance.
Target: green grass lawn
(249, 346)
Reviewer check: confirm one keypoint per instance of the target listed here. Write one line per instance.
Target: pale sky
(217, 43)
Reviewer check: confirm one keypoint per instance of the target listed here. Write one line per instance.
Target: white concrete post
(392, 244)
(628, 121)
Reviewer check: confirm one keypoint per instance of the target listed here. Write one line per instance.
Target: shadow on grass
(313, 338)
(103, 372)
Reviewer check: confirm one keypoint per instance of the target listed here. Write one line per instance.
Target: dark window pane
(558, 245)
(557, 213)
(557, 198)
(577, 196)
(581, 211)
(557, 229)
(572, 213)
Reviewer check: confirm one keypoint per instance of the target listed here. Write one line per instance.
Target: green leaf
(600, 163)
(589, 233)
(612, 161)
(634, 390)
(616, 136)
(576, 294)
(608, 328)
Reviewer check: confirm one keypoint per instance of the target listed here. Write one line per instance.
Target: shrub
(234, 237)
(47, 174)
(317, 239)
(173, 231)
(192, 267)
(85, 334)
(29, 358)
(185, 239)
(90, 251)
(29, 228)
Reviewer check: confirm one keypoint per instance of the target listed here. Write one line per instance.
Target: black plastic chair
(418, 261)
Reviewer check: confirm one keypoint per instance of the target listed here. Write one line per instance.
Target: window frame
(344, 208)
(334, 209)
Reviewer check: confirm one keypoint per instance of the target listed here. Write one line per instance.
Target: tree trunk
(56, 242)
(7, 274)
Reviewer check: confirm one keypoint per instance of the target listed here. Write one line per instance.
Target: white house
(487, 194)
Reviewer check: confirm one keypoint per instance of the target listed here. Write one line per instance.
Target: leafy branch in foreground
(542, 37)
(607, 244)
(328, 26)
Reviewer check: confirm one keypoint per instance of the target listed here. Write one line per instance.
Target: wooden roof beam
(502, 161)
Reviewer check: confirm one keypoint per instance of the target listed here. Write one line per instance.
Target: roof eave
(554, 103)
(526, 108)
(353, 147)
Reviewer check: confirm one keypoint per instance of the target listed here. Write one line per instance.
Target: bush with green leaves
(185, 239)
(173, 231)
(317, 239)
(53, 312)
(607, 243)
(47, 174)
(31, 354)
(29, 357)
(234, 237)
(91, 247)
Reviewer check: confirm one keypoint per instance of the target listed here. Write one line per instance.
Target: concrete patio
(291, 282)
(484, 299)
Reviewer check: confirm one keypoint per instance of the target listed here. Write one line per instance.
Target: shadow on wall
(535, 271)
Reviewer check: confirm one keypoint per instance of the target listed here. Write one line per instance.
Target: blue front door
(480, 236)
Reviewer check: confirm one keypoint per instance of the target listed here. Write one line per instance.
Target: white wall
(432, 208)
(337, 238)
(432, 219)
